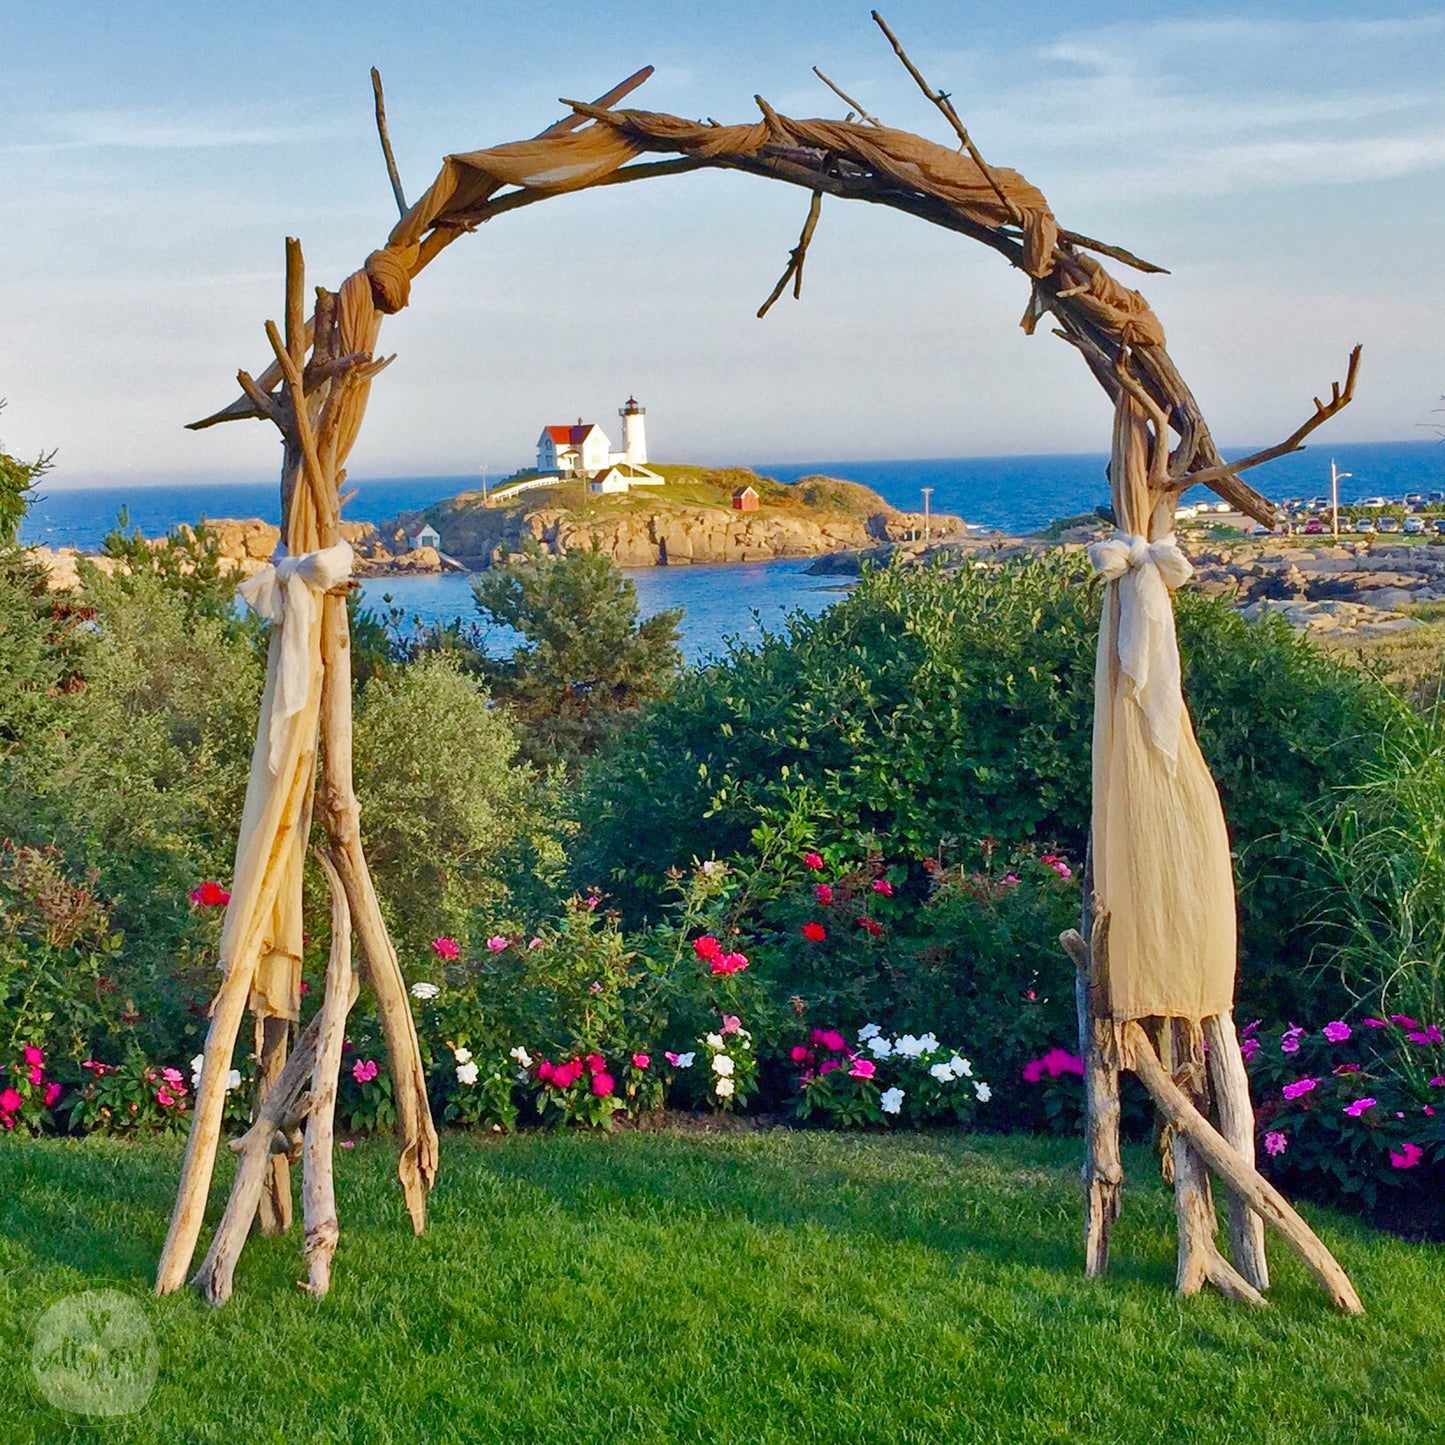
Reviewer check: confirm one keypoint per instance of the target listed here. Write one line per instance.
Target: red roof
(571, 435)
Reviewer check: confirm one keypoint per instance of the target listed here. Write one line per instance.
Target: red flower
(547, 1071)
(33, 1055)
(874, 929)
(824, 894)
(446, 948)
(210, 895)
(883, 886)
(641, 1061)
(814, 932)
(595, 1063)
(10, 1101)
(813, 861)
(800, 1055)
(707, 948)
(602, 1084)
(729, 963)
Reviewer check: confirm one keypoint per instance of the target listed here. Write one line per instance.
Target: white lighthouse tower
(634, 432)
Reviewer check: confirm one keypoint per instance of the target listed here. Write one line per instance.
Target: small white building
(623, 475)
(425, 536)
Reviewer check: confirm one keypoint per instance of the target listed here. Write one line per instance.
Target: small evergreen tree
(17, 486)
(586, 664)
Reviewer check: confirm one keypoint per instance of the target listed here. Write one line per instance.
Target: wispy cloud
(137, 130)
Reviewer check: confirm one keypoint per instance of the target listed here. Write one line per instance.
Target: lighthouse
(634, 433)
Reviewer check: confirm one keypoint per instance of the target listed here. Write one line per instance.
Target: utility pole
(485, 502)
(927, 493)
(1336, 477)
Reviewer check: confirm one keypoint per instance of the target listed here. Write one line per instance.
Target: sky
(1285, 162)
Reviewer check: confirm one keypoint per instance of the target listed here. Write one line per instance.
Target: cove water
(1013, 494)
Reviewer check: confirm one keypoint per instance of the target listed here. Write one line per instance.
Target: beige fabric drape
(1162, 870)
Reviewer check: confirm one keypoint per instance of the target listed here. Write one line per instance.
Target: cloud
(83, 130)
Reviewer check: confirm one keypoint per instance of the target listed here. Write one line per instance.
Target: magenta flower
(824, 894)
(1337, 1032)
(1430, 1034)
(1248, 1047)
(883, 886)
(364, 1070)
(602, 1084)
(1289, 1041)
(446, 948)
(1374, 1024)
(813, 861)
(52, 1093)
(1405, 1021)
(1408, 1157)
(10, 1100)
(34, 1056)
(707, 948)
(829, 1039)
(828, 1065)
(1275, 1143)
(1359, 1106)
(164, 1097)
(497, 942)
(1299, 1088)
(863, 1069)
(1438, 1082)
(800, 1055)
(35, 1074)
(1008, 880)
(641, 1061)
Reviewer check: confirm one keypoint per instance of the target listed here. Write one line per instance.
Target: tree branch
(796, 257)
(386, 150)
(846, 98)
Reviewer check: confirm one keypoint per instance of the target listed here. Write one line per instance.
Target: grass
(774, 1286)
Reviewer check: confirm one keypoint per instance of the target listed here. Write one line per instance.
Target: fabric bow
(1148, 646)
(285, 594)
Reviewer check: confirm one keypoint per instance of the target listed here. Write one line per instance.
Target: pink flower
(731, 1024)
(824, 894)
(1033, 1071)
(671, 1057)
(364, 1070)
(594, 987)
(536, 943)
(1373, 1024)
(1343, 1069)
(707, 948)
(1336, 1032)
(726, 963)
(1275, 1143)
(1249, 1048)
(830, 1039)
(883, 886)
(641, 1061)
(1438, 1082)
(602, 1084)
(1428, 1110)
(52, 1093)
(1430, 1034)
(1405, 1021)
(814, 932)
(173, 1077)
(1289, 1043)
(1408, 1157)
(497, 942)
(1008, 880)
(565, 1075)
(1052, 860)
(348, 1143)
(547, 1071)
(863, 1069)
(813, 861)
(592, 900)
(10, 1100)
(1359, 1106)
(33, 1055)
(35, 1074)
(595, 1063)
(446, 948)
(164, 1097)
(828, 1065)
(1299, 1088)
(800, 1055)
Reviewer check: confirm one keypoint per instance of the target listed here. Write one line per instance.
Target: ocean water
(1014, 494)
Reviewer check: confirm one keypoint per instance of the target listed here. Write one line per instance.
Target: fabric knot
(389, 271)
(1145, 572)
(285, 594)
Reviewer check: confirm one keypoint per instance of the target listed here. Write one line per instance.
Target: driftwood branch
(1340, 397)
(796, 257)
(941, 100)
(846, 98)
(391, 170)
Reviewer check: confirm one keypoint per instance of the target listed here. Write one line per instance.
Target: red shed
(745, 499)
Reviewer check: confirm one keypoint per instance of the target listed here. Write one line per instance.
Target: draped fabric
(1163, 880)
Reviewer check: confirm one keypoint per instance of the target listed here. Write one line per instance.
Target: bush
(931, 710)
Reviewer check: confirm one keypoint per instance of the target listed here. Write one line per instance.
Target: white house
(573, 451)
(585, 449)
(622, 475)
(425, 536)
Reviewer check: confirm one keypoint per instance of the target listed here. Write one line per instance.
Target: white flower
(867, 1032)
(462, 1056)
(942, 1072)
(233, 1079)
(684, 1061)
(908, 1046)
(521, 1056)
(880, 1046)
(196, 1065)
(962, 1069)
(723, 1088)
(928, 1044)
(982, 1091)
(467, 1072)
(722, 1066)
(424, 991)
(891, 1100)
(715, 1041)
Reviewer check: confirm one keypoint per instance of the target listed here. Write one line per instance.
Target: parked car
(1314, 527)
(1413, 499)
(1375, 502)
(1414, 526)
(1388, 524)
(1438, 526)
(1365, 524)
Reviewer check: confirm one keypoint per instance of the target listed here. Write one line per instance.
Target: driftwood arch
(1156, 951)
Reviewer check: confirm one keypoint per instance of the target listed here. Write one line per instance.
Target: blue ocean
(1013, 494)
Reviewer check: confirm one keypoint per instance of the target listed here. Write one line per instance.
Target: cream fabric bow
(286, 595)
(1148, 646)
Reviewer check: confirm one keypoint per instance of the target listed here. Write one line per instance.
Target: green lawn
(791, 1287)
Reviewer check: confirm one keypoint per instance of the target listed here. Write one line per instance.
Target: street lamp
(1336, 477)
(927, 493)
